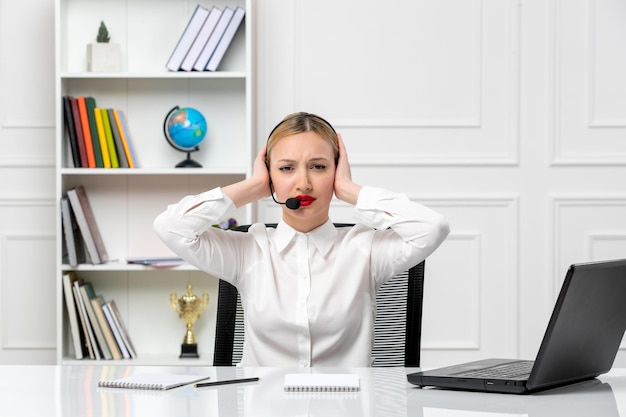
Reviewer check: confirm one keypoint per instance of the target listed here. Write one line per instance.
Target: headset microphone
(291, 203)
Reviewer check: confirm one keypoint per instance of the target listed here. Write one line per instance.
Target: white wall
(507, 116)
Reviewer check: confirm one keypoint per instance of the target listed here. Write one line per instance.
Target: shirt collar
(323, 237)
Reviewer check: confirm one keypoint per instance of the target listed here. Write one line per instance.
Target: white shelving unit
(126, 201)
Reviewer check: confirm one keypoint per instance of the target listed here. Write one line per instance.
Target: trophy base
(189, 351)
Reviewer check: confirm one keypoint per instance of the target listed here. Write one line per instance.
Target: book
(152, 381)
(90, 102)
(71, 234)
(106, 123)
(84, 122)
(72, 313)
(125, 138)
(78, 129)
(321, 382)
(71, 131)
(157, 262)
(106, 159)
(203, 37)
(119, 146)
(214, 39)
(90, 338)
(119, 331)
(87, 293)
(128, 137)
(87, 224)
(226, 39)
(190, 33)
(97, 301)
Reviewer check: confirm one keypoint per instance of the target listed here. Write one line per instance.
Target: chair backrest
(397, 328)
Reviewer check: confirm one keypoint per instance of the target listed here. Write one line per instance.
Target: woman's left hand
(345, 189)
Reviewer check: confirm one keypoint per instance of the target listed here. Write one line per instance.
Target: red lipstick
(305, 200)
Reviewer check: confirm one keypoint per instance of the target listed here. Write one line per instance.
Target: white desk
(65, 391)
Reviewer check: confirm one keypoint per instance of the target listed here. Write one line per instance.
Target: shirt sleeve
(186, 228)
(407, 232)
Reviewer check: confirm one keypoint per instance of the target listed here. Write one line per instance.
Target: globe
(184, 129)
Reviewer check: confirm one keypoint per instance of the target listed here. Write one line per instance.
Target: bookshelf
(126, 201)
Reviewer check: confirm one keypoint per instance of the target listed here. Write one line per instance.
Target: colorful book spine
(95, 138)
(79, 134)
(84, 122)
(110, 141)
(121, 156)
(124, 137)
(71, 130)
(106, 159)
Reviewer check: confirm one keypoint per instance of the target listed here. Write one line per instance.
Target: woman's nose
(303, 180)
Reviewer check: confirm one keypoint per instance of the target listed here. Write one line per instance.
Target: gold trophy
(189, 307)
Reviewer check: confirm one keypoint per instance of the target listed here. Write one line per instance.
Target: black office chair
(397, 328)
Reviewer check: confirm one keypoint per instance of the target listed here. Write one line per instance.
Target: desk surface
(65, 391)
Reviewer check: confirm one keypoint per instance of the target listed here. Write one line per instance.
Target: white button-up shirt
(308, 298)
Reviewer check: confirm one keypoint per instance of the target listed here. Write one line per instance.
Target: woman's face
(303, 166)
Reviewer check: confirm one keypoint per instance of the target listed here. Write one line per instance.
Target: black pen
(224, 382)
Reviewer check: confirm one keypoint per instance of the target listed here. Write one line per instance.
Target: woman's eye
(318, 167)
(285, 169)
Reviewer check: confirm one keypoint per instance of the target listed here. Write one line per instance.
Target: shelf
(123, 266)
(155, 75)
(152, 171)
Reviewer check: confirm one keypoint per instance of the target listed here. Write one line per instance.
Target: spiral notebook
(159, 382)
(322, 382)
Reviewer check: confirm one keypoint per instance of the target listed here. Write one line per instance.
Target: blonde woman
(307, 288)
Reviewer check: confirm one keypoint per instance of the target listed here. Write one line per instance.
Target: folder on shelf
(68, 119)
(87, 224)
(214, 40)
(122, 129)
(190, 33)
(226, 39)
(72, 312)
(84, 123)
(201, 40)
(78, 129)
(119, 330)
(97, 301)
(71, 234)
(90, 102)
(87, 293)
(90, 337)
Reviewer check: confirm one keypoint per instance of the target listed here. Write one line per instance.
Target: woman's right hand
(261, 173)
(254, 188)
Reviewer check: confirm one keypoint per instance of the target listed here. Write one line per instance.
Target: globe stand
(189, 163)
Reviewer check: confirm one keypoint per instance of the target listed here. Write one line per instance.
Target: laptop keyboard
(509, 370)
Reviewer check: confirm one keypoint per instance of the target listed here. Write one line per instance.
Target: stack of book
(98, 331)
(206, 38)
(83, 242)
(99, 137)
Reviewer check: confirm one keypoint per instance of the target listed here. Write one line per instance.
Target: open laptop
(581, 341)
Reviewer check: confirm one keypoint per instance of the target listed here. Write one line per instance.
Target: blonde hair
(299, 123)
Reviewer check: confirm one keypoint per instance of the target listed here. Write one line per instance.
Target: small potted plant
(103, 56)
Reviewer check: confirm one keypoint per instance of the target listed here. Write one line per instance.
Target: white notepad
(159, 382)
(321, 382)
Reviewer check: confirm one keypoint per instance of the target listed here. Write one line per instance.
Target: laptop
(582, 339)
